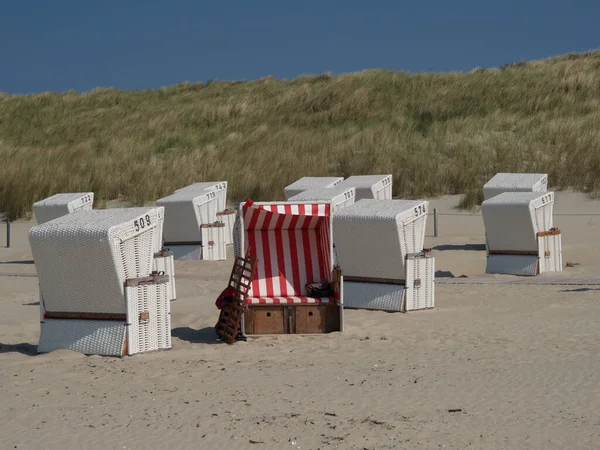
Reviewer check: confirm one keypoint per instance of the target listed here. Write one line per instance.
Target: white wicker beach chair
(185, 213)
(227, 217)
(220, 187)
(61, 204)
(101, 289)
(521, 236)
(213, 242)
(370, 186)
(515, 182)
(292, 242)
(379, 247)
(306, 183)
(163, 262)
(339, 197)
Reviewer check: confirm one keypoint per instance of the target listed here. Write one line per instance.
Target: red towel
(227, 292)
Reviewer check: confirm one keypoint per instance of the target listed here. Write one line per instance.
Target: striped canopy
(283, 216)
(292, 242)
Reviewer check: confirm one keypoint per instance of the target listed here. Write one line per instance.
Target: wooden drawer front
(268, 320)
(310, 319)
(288, 319)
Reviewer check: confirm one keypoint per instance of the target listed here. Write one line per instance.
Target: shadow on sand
(467, 247)
(447, 274)
(203, 336)
(25, 349)
(27, 261)
(580, 290)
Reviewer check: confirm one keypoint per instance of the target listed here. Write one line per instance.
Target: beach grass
(437, 133)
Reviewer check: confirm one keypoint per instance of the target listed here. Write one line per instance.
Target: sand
(493, 366)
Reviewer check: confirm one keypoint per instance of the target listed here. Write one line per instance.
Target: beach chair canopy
(515, 182)
(61, 204)
(292, 242)
(220, 187)
(83, 259)
(306, 183)
(513, 219)
(370, 186)
(338, 196)
(373, 237)
(185, 212)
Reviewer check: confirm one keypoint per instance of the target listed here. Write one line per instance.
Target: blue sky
(129, 44)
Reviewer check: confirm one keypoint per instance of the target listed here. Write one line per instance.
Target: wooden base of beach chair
(292, 319)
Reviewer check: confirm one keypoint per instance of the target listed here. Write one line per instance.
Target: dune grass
(436, 133)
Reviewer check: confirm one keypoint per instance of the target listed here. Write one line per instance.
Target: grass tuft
(471, 199)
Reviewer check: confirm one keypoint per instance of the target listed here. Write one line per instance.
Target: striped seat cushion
(288, 300)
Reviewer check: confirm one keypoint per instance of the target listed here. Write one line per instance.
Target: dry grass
(437, 133)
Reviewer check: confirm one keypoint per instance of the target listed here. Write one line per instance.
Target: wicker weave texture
(157, 236)
(155, 332)
(213, 243)
(420, 295)
(62, 204)
(90, 337)
(512, 264)
(163, 311)
(339, 197)
(185, 212)
(220, 187)
(228, 218)
(375, 296)
(551, 262)
(377, 187)
(306, 183)
(42, 307)
(513, 219)
(373, 237)
(165, 264)
(83, 259)
(515, 182)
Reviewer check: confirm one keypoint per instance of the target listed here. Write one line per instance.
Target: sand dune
(498, 366)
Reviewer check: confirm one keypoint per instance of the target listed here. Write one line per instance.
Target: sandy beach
(499, 363)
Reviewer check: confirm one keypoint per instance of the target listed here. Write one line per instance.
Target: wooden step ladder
(230, 318)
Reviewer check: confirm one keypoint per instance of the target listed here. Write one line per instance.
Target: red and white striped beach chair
(293, 245)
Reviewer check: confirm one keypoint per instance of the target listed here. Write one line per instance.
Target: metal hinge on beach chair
(155, 278)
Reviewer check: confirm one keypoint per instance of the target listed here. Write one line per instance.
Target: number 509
(142, 223)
